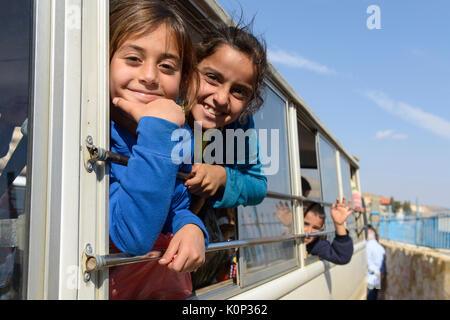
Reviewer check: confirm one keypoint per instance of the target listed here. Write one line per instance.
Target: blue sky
(384, 93)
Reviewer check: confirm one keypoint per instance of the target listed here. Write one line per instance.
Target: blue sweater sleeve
(141, 192)
(338, 252)
(180, 215)
(246, 184)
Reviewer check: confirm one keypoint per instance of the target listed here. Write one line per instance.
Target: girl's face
(146, 68)
(226, 85)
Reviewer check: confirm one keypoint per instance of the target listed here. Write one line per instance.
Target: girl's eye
(167, 66)
(132, 59)
(240, 94)
(211, 77)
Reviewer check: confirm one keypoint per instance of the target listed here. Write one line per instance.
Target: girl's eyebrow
(171, 56)
(141, 50)
(133, 47)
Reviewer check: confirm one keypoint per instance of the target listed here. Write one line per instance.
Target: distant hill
(425, 210)
(431, 210)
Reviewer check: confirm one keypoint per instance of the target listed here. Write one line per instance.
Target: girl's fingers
(196, 180)
(195, 167)
(123, 104)
(170, 252)
(178, 263)
(153, 254)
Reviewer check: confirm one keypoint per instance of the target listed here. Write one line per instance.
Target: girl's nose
(149, 75)
(221, 98)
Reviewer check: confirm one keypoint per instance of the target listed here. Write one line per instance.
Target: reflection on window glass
(15, 41)
(274, 156)
(328, 175)
(271, 217)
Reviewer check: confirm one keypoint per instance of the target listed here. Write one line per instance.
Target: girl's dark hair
(316, 209)
(243, 40)
(138, 17)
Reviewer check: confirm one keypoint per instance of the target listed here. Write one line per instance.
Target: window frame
(272, 271)
(68, 204)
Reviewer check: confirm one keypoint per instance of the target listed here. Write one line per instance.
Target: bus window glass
(15, 65)
(358, 205)
(220, 266)
(347, 193)
(328, 175)
(272, 217)
(309, 170)
(270, 122)
(308, 163)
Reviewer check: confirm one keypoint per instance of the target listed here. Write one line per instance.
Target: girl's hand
(340, 212)
(207, 179)
(186, 251)
(162, 108)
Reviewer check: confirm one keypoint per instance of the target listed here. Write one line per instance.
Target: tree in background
(396, 205)
(407, 207)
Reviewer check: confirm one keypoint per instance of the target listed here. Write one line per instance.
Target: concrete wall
(418, 273)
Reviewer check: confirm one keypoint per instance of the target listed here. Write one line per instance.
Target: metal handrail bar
(277, 195)
(98, 262)
(100, 154)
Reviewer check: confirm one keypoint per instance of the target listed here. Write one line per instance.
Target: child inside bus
(232, 65)
(340, 251)
(151, 65)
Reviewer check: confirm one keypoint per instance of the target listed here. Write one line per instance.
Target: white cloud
(384, 134)
(296, 61)
(390, 134)
(414, 115)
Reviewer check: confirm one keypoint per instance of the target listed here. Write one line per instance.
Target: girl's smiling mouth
(211, 112)
(145, 96)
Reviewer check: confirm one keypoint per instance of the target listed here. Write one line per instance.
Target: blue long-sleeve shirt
(246, 184)
(340, 251)
(146, 198)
